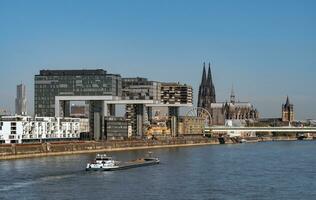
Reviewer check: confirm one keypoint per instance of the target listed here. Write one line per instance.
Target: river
(269, 170)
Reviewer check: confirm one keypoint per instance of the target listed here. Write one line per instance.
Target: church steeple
(209, 75)
(211, 84)
(203, 82)
(287, 103)
(206, 89)
(232, 95)
(287, 111)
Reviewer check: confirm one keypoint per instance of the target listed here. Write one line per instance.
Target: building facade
(223, 111)
(20, 101)
(191, 125)
(140, 89)
(52, 83)
(287, 111)
(176, 93)
(21, 129)
(171, 95)
(56, 90)
(116, 128)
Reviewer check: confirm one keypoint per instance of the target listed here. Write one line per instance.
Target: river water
(271, 170)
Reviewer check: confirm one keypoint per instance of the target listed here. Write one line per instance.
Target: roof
(237, 104)
(72, 72)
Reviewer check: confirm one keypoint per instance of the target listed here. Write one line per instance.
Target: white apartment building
(19, 129)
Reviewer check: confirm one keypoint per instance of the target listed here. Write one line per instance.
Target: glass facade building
(52, 83)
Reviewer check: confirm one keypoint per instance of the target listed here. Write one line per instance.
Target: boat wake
(26, 183)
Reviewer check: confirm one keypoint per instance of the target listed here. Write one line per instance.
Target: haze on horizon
(266, 49)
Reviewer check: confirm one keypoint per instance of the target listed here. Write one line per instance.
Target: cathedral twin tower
(207, 89)
(222, 111)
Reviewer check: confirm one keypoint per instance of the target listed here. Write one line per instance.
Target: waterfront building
(176, 93)
(135, 121)
(191, 125)
(157, 131)
(116, 128)
(56, 89)
(222, 111)
(24, 129)
(84, 125)
(70, 83)
(287, 111)
(140, 89)
(20, 101)
(170, 95)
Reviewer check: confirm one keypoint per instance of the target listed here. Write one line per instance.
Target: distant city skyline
(265, 49)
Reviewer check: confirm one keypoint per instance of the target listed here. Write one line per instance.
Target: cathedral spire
(203, 75)
(209, 75)
(206, 89)
(287, 103)
(232, 95)
(210, 84)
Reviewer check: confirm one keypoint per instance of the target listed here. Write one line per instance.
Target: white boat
(243, 141)
(103, 162)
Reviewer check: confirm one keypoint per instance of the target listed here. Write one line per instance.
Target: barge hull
(125, 166)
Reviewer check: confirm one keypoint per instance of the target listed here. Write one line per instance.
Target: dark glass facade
(51, 83)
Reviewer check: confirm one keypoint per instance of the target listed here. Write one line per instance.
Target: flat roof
(72, 72)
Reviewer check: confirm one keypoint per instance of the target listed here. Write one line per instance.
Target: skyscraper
(206, 90)
(20, 101)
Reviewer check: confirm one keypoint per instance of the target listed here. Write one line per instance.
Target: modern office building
(176, 93)
(170, 95)
(69, 83)
(116, 128)
(55, 90)
(20, 101)
(140, 89)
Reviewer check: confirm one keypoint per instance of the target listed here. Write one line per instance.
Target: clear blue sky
(267, 49)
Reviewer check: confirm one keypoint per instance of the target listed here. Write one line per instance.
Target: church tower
(287, 111)
(206, 90)
(232, 96)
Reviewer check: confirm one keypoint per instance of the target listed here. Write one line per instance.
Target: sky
(266, 49)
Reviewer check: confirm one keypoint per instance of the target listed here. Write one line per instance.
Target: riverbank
(18, 151)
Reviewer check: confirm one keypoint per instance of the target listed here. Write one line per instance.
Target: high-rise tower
(20, 101)
(232, 96)
(207, 89)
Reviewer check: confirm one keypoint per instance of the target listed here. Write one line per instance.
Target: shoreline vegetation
(20, 151)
